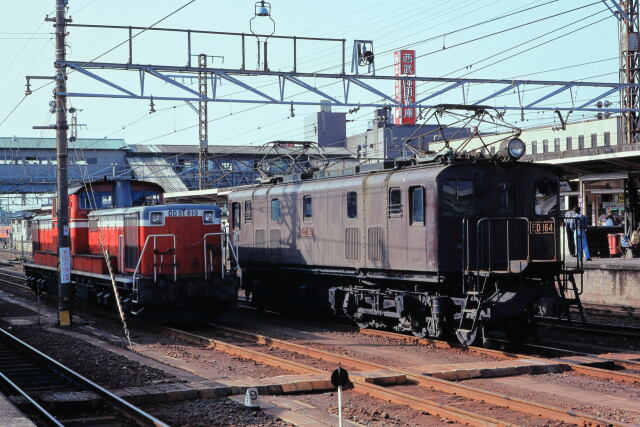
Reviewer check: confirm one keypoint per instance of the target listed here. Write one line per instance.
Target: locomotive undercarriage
(432, 308)
(191, 300)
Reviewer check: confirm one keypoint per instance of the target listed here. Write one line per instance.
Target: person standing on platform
(579, 226)
(568, 225)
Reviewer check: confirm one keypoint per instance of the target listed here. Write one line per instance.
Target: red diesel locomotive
(168, 261)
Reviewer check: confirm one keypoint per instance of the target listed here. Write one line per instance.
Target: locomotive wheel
(363, 322)
(429, 328)
(420, 332)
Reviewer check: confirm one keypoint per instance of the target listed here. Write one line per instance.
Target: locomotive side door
(131, 241)
(505, 230)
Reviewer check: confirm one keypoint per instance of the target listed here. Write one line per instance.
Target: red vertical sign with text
(404, 64)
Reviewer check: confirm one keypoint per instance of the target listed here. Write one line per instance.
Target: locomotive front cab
(504, 215)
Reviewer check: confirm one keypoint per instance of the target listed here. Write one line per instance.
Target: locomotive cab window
(145, 198)
(457, 197)
(95, 200)
(248, 211)
(307, 207)
(546, 198)
(416, 205)
(235, 213)
(352, 204)
(394, 209)
(506, 198)
(275, 210)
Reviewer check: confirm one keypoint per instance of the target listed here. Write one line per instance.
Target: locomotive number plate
(184, 212)
(542, 227)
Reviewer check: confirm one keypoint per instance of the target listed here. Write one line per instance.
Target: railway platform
(611, 282)
(10, 415)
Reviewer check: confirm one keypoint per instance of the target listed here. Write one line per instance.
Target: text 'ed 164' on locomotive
(446, 246)
(167, 260)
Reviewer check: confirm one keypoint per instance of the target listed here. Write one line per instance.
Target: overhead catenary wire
(194, 126)
(502, 16)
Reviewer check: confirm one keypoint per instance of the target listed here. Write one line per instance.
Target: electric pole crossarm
(372, 90)
(243, 85)
(311, 88)
(440, 92)
(170, 74)
(344, 104)
(331, 76)
(549, 95)
(497, 93)
(172, 82)
(101, 80)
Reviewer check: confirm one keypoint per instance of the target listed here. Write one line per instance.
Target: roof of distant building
(17, 143)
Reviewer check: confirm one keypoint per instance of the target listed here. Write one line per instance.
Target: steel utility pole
(203, 123)
(630, 69)
(62, 205)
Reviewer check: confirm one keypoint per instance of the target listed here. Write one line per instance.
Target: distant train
(451, 245)
(168, 260)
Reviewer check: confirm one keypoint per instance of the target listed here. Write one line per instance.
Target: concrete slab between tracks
(632, 357)
(598, 362)
(296, 412)
(492, 369)
(10, 415)
(283, 384)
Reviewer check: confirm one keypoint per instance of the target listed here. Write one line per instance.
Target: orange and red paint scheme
(167, 259)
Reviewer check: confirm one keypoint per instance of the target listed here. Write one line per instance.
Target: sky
(581, 42)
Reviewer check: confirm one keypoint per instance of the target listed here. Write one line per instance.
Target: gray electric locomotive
(446, 246)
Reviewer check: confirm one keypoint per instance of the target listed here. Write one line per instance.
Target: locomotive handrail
(489, 220)
(144, 247)
(222, 251)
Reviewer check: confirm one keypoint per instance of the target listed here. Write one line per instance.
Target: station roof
(225, 149)
(157, 170)
(596, 160)
(20, 143)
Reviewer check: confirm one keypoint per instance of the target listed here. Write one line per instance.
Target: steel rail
(38, 409)
(116, 402)
(590, 327)
(361, 385)
(531, 408)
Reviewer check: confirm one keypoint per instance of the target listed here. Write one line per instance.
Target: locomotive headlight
(207, 217)
(516, 148)
(156, 217)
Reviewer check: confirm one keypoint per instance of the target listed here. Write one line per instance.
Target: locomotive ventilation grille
(375, 244)
(352, 243)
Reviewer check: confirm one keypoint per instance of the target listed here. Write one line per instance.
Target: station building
(28, 166)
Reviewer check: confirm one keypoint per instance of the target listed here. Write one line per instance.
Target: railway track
(15, 280)
(535, 351)
(395, 394)
(399, 397)
(590, 327)
(28, 376)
